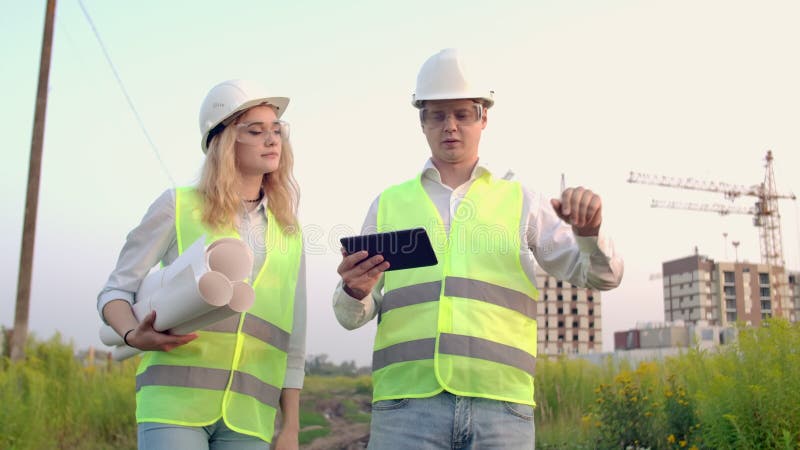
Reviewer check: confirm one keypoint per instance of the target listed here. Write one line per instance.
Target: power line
(125, 92)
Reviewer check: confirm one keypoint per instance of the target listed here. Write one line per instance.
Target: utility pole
(20, 334)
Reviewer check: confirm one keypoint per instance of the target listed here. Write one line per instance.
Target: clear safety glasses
(257, 133)
(436, 117)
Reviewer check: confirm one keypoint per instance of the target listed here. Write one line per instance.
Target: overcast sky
(591, 89)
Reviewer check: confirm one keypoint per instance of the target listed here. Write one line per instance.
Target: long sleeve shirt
(154, 240)
(582, 261)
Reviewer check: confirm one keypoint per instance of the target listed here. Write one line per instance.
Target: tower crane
(765, 210)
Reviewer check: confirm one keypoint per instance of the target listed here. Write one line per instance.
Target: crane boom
(720, 208)
(731, 191)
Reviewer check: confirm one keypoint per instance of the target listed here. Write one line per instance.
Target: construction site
(701, 292)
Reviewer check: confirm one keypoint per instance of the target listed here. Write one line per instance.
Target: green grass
(50, 400)
(306, 437)
(308, 418)
(564, 395)
(353, 412)
(743, 396)
(325, 386)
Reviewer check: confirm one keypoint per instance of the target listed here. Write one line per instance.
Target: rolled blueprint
(110, 337)
(185, 297)
(194, 256)
(227, 256)
(243, 299)
(121, 352)
(209, 318)
(181, 300)
(202, 286)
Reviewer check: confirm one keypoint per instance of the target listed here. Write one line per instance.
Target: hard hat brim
(418, 102)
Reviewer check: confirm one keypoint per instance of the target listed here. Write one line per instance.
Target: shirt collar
(262, 206)
(260, 209)
(432, 173)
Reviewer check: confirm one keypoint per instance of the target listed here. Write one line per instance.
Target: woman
(222, 387)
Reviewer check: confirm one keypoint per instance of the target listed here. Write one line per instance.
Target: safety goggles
(435, 117)
(257, 133)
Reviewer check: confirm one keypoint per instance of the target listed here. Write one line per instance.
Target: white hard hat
(230, 97)
(444, 77)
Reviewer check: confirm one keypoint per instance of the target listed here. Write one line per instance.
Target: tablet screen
(404, 249)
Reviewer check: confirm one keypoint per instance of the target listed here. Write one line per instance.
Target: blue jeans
(217, 436)
(446, 422)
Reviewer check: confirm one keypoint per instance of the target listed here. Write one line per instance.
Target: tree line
(320, 365)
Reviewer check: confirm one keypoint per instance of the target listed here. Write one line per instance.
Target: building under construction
(704, 299)
(699, 289)
(568, 317)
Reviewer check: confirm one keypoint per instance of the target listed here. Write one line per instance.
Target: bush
(564, 394)
(50, 400)
(742, 396)
(627, 413)
(748, 395)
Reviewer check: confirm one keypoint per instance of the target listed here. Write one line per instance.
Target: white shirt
(582, 261)
(154, 240)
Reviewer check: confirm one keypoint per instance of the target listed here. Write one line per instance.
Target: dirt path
(343, 436)
(347, 432)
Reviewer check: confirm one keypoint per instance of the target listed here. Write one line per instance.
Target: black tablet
(404, 249)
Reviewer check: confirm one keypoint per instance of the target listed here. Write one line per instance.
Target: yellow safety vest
(468, 324)
(235, 369)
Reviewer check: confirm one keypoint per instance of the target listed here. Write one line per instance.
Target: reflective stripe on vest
(236, 367)
(205, 378)
(454, 344)
(468, 324)
(256, 327)
(460, 287)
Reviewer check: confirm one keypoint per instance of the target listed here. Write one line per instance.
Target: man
(455, 349)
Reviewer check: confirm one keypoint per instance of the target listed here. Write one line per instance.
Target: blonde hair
(218, 188)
